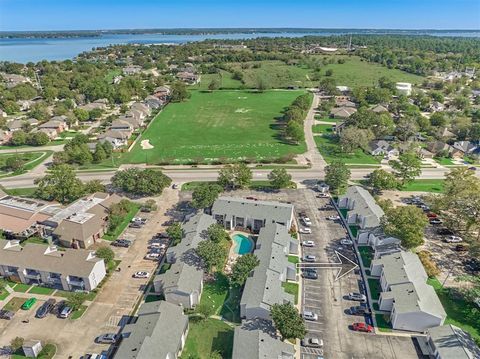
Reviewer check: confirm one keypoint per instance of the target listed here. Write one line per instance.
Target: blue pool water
(243, 244)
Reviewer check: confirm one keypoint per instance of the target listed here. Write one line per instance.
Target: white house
(363, 210)
(404, 88)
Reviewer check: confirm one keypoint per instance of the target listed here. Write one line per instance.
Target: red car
(432, 215)
(362, 327)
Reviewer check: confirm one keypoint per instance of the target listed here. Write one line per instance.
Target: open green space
(444, 161)
(30, 160)
(326, 119)
(425, 185)
(330, 150)
(206, 337)
(383, 322)
(14, 304)
(322, 128)
(112, 73)
(230, 125)
(41, 290)
(215, 293)
(357, 72)
(79, 312)
(367, 254)
(22, 288)
(4, 293)
(374, 285)
(113, 235)
(231, 307)
(25, 192)
(291, 288)
(223, 78)
(460, 312)
(47, 352)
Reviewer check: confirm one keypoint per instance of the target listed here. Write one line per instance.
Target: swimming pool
(243, 244)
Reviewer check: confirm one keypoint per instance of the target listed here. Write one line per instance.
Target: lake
(24, 50)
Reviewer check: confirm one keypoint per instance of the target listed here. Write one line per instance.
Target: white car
(139, 220)
(333, 218)
(141, 275)
(157, 245)
(307, 315)
(305, 231)
(309, 258)
(346, 242)
(152, 256)
(323, 195)
(308, 243)
(306, 221)
(454, 239)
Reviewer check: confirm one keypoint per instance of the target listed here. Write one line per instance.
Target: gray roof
(186, 273)
(157, 333)
(250, 341)
(365, 205)
(264, 287)
(452, 342)
(271, 211)
(407, 278)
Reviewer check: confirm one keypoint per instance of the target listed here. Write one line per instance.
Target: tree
(406, 223)
(150, 204)
(60, 184)
(294, 131)
(106, 253)
(175, 233)
(141, 182)
(353, 138)
(179, 92)
(76, 300)
(205, 310)
(16, 343)
(205, 195)
(242, 268)
(235, 176)
(262, 84)
(288, 321)
(329, 72)
(19, 138)
(214, 85)
(93, 186)
(216, 233)
(212, 254)
(14, 163)
(279, 178)
(99, 155)
(328, 85)
(117, 213)
(407, 167)
(37, 139)
(382, 180)
(438, 119)
(337, 175)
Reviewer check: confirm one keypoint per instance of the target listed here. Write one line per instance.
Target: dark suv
(45, 308)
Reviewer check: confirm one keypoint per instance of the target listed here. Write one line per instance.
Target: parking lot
(112, 305)
(326, 297)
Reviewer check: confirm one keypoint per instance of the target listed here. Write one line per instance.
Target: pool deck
(232, 256)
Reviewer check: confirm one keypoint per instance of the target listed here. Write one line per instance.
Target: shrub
(430, 267)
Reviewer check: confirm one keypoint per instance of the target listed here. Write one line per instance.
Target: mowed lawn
(222, 124)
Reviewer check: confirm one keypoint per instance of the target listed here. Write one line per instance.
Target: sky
(24, 15)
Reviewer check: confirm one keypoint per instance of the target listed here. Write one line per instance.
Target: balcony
(79, 283)
(32, 275)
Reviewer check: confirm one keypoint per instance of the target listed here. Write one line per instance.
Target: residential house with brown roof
(342, 112)
(188, 77)
(162, 92)
(117, 138)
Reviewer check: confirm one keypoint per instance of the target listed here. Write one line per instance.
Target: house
(19, 124)
(264, 288)
(342, 112)
(404, 88)
(250, 214)
(96, 105)
(188, 77)
(50, 132)
(182, 283)
(341, 102)
(448, 342)
(413, 304)
(162, 93)
(131, 70)
(13, 80)
(5, 137)
(379, 109)
(344, 90)
(441, 148)
(250, 340)
(20, 217)
(424, 153)
(382, 148)
(159, 330)
(82, 223)
(153, 102)
(57, 123)
(362, 209)
(375, 238)
(45, 265)
(25, 105)
(117, 138)
(31, 348)
(466, 147)
(142, 108)
(446, 133)
(122, 124)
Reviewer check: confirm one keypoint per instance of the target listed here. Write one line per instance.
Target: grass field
(26, 192)
(425, 185)
(112, 235)
(31, 159)
(41, 290)
(208, 336)
(323, 128)
(291, 288)
(14, 304)
(224, 78)
(330, 151)
(223, 124)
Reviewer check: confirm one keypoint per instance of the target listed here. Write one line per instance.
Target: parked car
(309, 258)
(312, 342)
(175, 186)
(157, 245)
(308, 243)
(346, 242)
(45, 308)
(108, 338)
(162, 235)
(432, 215)
(444, 231)
(29, 303)
(472, 168)
(252, 198)
(141, 275)
(323, 195)
(121, 243)
(309, 275)
(6, 314)
(435, 221)
(359, 310)
(145, 209)
(362, 327)
(65, 312)
(307, 315)
(453, 239)
(135, 225)
(139, 220)
(152, 256)
(94, 356)
(472, 265)
(306, 221)
(461, 248)
(305, 231)
(357, 297)
(333, 218)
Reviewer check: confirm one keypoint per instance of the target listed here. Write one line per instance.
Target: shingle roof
(452, 342)
(157, 333)
(365, 205)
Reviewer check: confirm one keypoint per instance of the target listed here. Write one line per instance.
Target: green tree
(141, 182)
(382, 180)
(235, 176)
(93, 186)
(406, 223)
(179, 92)
(242, 268)
(217, 233)
(81, 114)
(328, 85)
(76, 300)
(14, 163)
(19, 138)
(106, 253)
(16, 343)
(60, 184)
(407, 167)
(288, 321)
(99, 155)
(212, 254)
(175, 233)
(205, 310)
(213, 85)
(353, 138)
(337, 175)
(294, 131)
(37, 139)
(205, 195)
(279, 178)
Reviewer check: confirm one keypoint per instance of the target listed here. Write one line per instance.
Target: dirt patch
(397, 196)
(146, 145)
